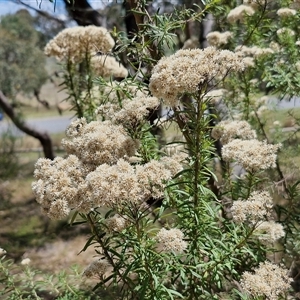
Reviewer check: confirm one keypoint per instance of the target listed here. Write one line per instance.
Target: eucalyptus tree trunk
(43, 137)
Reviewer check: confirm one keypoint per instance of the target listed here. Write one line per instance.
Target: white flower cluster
(285, 12)
(252, 155)
(218, 39)
(239, 13)
(269, 232)
(132, 112)
(191, 43)
(229, 130)
(25, 261)
(76, 42)
(269, 280)
(2, 252)
(98, 142)
(58, 184)
(256, 208)
(121, 183)
(284, 32)
(187, 71)
(98, 174)
(171, 240)
(252, 52)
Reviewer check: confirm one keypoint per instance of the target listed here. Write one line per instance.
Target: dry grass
(61, 254)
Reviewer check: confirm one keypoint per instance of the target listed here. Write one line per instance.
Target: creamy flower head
(187, 71)
(98, 142)
(132, 113)
(171, 240)
(285, 12)
(229, 130)
(106, 66)
(239, 13)
(119, 184)
(2, 252)
(268, 280)
(254, 51)
(269, 231)
(191, 43)
(77, 42)
(249, 62)
(285, 31)
(252, 155)
(58, 185)
(274, 46)
(218, 39)
(25, 261)
(257, 207)
(277, 123)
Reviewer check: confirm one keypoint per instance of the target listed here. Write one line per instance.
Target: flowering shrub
(196, 223)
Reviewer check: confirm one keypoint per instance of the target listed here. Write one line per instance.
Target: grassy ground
(24, 230)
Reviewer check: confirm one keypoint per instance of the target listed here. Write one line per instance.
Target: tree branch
(43, 137)
(41, 12)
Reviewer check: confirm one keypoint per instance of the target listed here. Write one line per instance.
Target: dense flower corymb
(229, 130)
(239, 13)
(217, 38)
(269, 280)
(171, 240)
(187, 71)
(132, 113)
(256, 208)
(252, 155)
(269, 232)
(76, 42)
(285, 12)
(98, 142)
(58, 183)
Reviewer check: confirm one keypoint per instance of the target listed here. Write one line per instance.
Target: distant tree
(22, 62)
(22, 69)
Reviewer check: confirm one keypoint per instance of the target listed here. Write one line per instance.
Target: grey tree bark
(43, 137)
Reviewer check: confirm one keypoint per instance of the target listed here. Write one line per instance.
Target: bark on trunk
(82, 12)
(43, 137)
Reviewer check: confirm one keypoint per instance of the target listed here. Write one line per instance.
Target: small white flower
(2, 252)
(25, 261)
